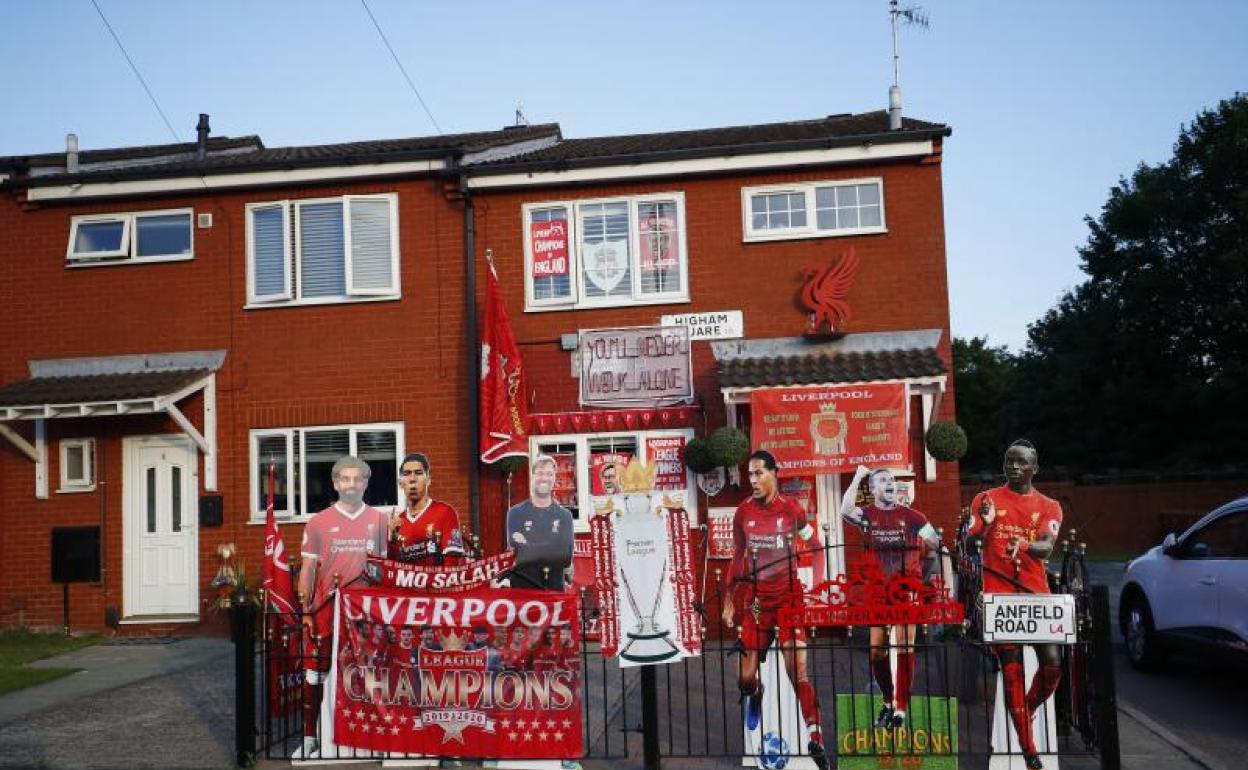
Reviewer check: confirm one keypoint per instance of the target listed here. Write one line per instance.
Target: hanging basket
(698, 456)
(510, 464)
(946, 441)
(729, 447)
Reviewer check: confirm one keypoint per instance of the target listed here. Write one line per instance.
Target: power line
(402, 69)
(137, 74)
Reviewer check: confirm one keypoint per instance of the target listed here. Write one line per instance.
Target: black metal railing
(693, 708)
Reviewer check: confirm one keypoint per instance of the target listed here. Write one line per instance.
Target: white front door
(828, 497)
(161, 545)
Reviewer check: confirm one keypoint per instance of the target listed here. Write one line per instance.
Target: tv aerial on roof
(910, 15)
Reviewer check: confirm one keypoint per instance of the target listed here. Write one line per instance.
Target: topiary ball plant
(946, 441)
(729, 446)
(511, 464)
(698, 456)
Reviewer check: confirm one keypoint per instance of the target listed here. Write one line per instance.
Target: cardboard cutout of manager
(539, 530)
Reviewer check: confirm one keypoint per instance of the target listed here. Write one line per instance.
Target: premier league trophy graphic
(640, 528)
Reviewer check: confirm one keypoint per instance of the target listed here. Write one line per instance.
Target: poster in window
(548, 243)
(605, 469)
(606, 264)
(564, 490)
(669, 453)
(658, 241)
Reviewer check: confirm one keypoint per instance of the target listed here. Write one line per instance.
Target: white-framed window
(77, 464)
(581, 462)
(605, 252)
(139, 236)
(302, 460)
(323, 250)
(813, 209)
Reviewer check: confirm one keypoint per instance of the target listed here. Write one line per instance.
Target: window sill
(623, 303)
(75, 490)
(802, 236)
(117, 261)
(321, 301)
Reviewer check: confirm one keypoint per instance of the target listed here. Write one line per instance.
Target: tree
(984, 380)
(1139, 366)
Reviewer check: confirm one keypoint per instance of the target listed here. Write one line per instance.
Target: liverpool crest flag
(504, 414)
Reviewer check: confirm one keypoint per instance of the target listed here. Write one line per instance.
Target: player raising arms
(903, 542)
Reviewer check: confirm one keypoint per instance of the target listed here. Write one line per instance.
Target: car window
(1224, 538)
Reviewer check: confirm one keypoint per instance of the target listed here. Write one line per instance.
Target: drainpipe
(474, 357)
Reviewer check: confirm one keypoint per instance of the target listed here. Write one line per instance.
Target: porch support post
(41, 459)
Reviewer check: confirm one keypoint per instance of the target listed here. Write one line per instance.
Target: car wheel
(1143, 652)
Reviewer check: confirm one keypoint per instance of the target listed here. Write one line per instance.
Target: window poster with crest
(644, 574)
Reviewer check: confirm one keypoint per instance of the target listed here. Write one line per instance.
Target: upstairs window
(323, 250)
(813, 210)
(147, 236)
(605, 252)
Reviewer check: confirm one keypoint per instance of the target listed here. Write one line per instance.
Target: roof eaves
(689, 153)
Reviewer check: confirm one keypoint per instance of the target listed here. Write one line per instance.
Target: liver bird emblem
(825, 292)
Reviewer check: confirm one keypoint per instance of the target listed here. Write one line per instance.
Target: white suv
(1190, 591)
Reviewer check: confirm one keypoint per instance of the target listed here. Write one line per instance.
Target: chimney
(894, 108)
(201, 141)
(71, 153)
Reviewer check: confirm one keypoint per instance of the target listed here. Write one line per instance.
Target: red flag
(504, 413)
(282, 618)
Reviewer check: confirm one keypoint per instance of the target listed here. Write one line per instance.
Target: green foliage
(698, 456)
(984, 379)
(729, 446)
(946, 441)
(20, 647)
(511, 464)
(1141, 365)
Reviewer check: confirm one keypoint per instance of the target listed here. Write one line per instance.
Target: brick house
(185, 313)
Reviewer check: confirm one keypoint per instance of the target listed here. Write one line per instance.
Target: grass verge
(18, 648)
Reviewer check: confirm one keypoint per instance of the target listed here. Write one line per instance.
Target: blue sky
(1050, 102)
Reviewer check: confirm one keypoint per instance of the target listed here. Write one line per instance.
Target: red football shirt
(438, 523)
(761, 547)
(1025, 517)
(893, 536)
(340, 543)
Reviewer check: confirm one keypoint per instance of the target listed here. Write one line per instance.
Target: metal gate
(693, 708)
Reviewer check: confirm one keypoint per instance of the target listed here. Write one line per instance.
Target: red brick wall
(901, 284)
(399, 361)
(1128, 519)
(403, 361)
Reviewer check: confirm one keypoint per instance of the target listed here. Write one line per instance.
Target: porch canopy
(870, 357)
(152, 383)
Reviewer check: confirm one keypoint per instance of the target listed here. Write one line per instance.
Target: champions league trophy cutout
(639, 523)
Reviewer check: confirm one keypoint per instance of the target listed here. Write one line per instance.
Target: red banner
(608, 420)
(564, 490)
(503, 397)
(690, 622)
(604, 584)
(719, 530)
(548, 244)
(443, 579)
(284, 675)
(659, 244)
(669, 453)
(605, 469)
(832, 429)
(484, 673)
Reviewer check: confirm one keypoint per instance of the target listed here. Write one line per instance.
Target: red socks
(1042, 686)
(882, 672)
(905, 678)
(311, 708)
(1016, 704)
(809, 702)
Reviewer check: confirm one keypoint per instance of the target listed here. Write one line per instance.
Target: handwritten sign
(642, 365)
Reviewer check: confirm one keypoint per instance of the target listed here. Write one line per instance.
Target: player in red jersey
(761, 580)
(904, 543)
(1019, 528)
(336, 545)
(427, 531)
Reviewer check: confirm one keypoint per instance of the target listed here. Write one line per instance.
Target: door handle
(1208, 581)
